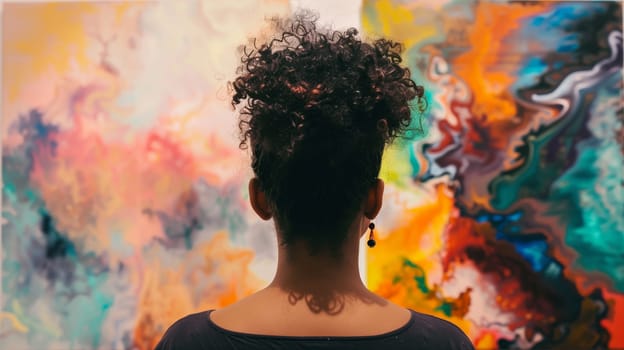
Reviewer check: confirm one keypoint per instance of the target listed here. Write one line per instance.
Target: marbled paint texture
(508, 209)
(124, 191)
(124, 202)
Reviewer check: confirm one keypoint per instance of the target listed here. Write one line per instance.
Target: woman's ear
(258, 200)
(374, 200)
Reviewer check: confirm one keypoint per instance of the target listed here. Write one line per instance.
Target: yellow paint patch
(15, 322)
(45, 37)
(396, 22)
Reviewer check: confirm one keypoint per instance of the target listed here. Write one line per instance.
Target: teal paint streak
(446, 309)
(87, 312)
(421, 276)
(9, 189)
(414, 162)
(507, 189)
(593, 188)
(536, 176)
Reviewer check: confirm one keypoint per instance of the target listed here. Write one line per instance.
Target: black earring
(371, 238)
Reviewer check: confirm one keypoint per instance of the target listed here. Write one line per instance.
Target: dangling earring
(371, 239)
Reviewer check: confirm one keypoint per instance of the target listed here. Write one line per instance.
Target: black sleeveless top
(423, 332)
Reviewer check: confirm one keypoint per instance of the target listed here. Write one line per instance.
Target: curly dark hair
(319, 108)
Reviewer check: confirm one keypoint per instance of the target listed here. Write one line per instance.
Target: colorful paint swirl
(523, 145)
(124, 199)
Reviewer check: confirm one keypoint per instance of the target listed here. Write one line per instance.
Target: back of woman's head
(319, 106)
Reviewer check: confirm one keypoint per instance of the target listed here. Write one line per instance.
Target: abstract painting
(124, 191)
(124, 203)
(506, 214)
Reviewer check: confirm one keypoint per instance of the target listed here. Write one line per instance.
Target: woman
(318, 109)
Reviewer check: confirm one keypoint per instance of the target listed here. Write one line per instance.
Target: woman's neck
(324, 281)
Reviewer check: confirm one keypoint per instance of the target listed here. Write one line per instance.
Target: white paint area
(338, 14)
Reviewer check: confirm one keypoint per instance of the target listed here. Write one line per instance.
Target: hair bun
(305, 77)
